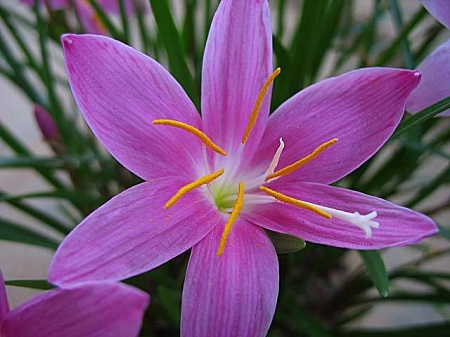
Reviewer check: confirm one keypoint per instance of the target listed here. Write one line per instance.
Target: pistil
(295, 202)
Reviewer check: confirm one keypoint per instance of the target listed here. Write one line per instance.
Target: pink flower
(90, 310)
(214, 182)
(89, 20)
(435, 83)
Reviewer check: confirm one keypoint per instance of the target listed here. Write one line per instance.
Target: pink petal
(398, 226)
(237, 61)
(90, 310)
(234, 294)
(120, 92)
(440, 9)
(361, 108)
(435, 83)
(4, 306)
(132, 233)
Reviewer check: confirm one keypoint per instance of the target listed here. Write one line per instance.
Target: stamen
(257, 106)
(189, 187)
(289, 200)
(189, 128)
(292, 167)
(233, 216)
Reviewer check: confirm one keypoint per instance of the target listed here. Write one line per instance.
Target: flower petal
(90, 310)
(133, 233)
(233, 294)
(120, 92)
(435, 83)
(398, 226)
(237, 62)
(439, 9)
(361, 108)
(4, 306)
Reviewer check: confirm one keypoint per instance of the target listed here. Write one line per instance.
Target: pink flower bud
(45, 123)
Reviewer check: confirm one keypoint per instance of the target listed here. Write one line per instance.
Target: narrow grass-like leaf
(390, 52)
(422, 116)
(398, 20)
(173, 44)
(37, 213)
(433, 184)
(124, 19)
(376, 269)
(32, 284)
(49, 163)
(17, 146)
(11, 231)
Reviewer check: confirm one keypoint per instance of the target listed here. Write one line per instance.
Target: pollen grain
(189, 187)
(189, 128)
(257, 106)
(233, 216)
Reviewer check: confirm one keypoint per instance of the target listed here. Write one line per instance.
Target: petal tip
(67, 39)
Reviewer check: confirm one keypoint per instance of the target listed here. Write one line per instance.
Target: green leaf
(285, 243)
(173, 44)
(10, 231)
(376, 269)
(36, 213)
(422, 116)
(32, 284)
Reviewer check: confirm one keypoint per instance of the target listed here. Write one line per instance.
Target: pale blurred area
(18, 261)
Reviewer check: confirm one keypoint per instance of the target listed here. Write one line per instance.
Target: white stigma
(364, 222)
(275, 159)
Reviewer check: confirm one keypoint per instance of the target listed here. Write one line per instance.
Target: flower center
(227, 191)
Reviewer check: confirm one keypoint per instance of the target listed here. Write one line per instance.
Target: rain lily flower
(90, 310)
(435, 83)
(214, 182)
(89, 20)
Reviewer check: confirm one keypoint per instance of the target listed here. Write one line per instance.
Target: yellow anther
(257, 106)
(289, 200)
(189, 187)
(189, 128)
(291, 168)
(233, 216)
